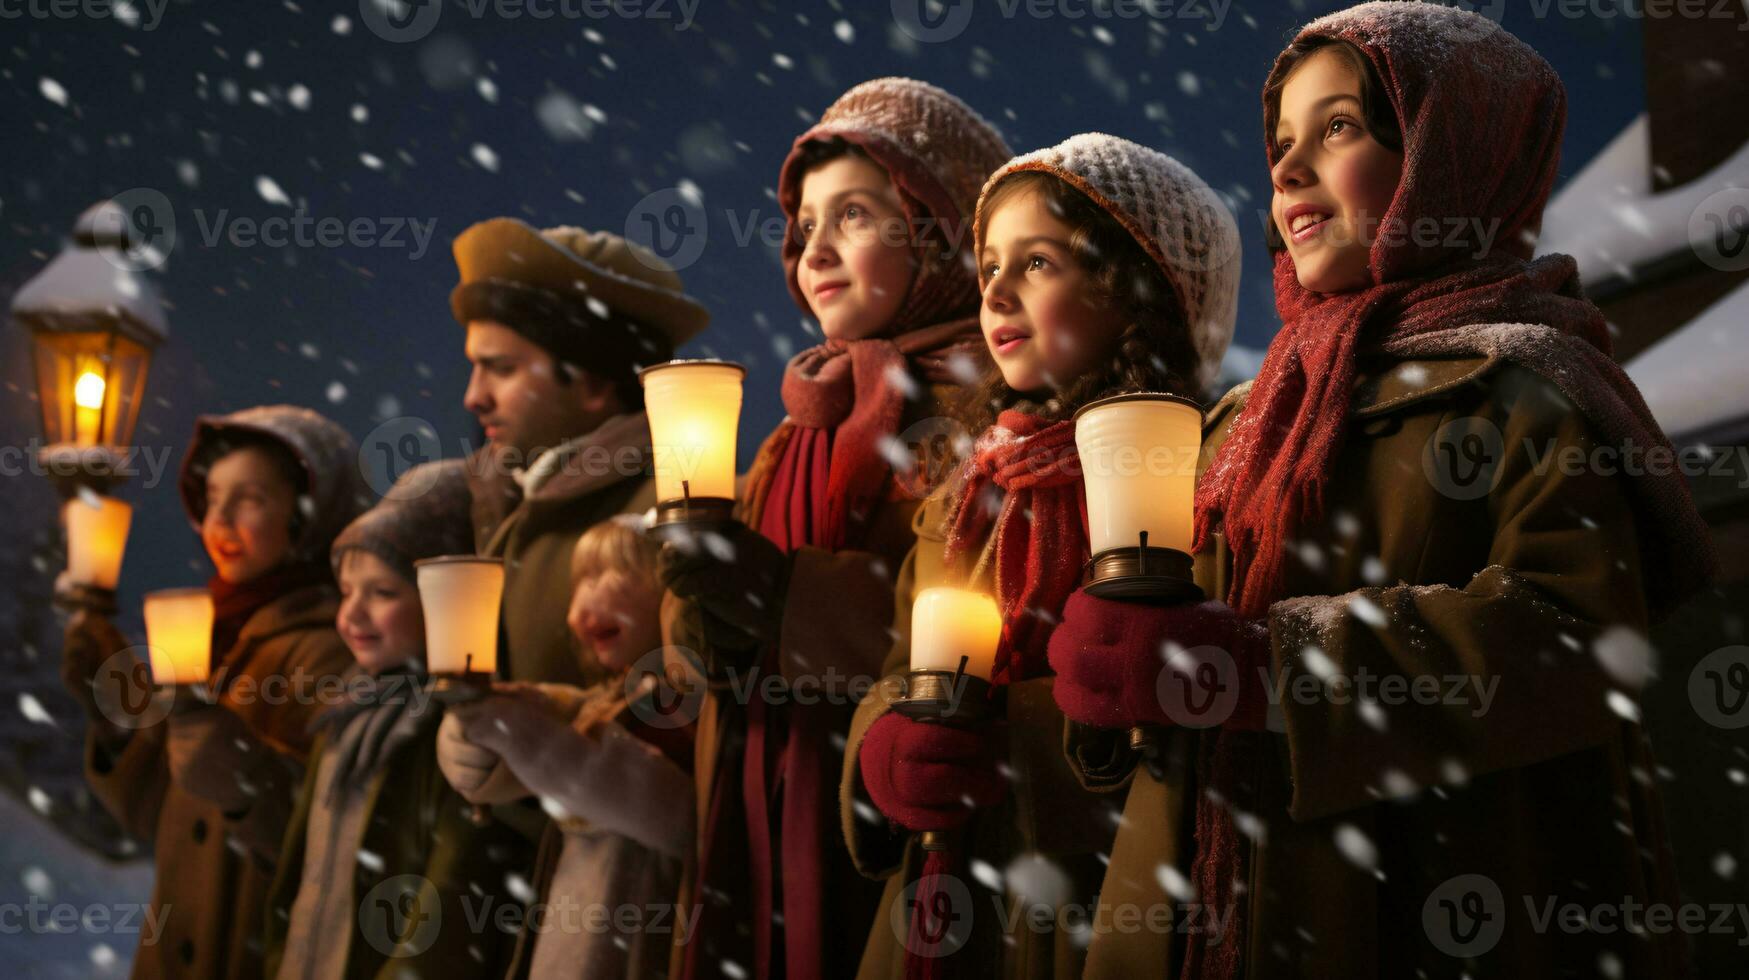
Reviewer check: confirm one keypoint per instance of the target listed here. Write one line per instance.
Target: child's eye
(991, 270)
(1339, 126)
(807, 228)
(854, 212)
(1036, 262)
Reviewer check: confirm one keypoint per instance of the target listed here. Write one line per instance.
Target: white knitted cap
(1174, 215)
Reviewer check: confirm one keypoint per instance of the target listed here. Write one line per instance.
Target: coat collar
(1383, 386)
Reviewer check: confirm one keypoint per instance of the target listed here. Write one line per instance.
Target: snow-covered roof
(1608, 219)
(1693, 377)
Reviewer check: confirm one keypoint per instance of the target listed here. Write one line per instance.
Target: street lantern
(94, 325)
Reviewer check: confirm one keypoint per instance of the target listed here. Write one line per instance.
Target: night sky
(254, 109)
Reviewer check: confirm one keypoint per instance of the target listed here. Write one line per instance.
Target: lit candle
(97, 533)
(88, 408)
(461, 595)
(1138, 463)
(179, 635)
(947, 624)
(694, 409)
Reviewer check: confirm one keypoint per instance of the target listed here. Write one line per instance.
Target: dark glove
(90, 642)
(213, 754)
(929, 776)
(731, 582)
(1120, 664)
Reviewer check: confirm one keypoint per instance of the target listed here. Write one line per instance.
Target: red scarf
(816, 482)
(1482, 116)
(822, 474)
(234, 603)
(1024, 483)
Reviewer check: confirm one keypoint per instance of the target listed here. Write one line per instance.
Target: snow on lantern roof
(1693, 378)
(1608, 218)
(82, 285)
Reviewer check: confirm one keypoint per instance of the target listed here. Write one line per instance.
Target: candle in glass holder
(694, 409)
(179, 635)
(461, 595)
(947, 624)
(1138, 463)
(97, 533)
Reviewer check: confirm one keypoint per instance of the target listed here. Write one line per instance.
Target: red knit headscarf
(1481, 116)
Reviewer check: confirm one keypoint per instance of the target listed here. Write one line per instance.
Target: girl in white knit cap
(1106, 268)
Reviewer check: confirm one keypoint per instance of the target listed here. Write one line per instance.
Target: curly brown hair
(1154, 350)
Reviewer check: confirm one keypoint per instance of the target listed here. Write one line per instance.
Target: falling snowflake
(484, 156)
(270, 191)
(52, 91)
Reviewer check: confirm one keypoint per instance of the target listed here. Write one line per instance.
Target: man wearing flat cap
(558, 323)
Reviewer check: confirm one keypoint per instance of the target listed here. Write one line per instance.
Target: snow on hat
(1481, 114)
(333, 491)
(588, 297)
(424, 515)
(937, 151)
(1173, 215)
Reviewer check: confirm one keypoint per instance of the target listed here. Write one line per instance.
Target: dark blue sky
(219, 95)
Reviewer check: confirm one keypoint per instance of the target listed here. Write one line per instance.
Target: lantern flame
(88, 390)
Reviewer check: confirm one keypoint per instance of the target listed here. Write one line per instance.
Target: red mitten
(928, 776)
(1120, 664)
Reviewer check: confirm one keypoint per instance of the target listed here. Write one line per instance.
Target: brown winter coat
(1046, 813)
(416, 825)
(213, 869)
(837, 620)
(603, 474)
(1548, 793)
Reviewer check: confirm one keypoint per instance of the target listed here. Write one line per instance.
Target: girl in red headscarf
(1414, 722)
(878, 196)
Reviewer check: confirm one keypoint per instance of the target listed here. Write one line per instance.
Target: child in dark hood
(1372, 508)
(211, 785)
(374, 787)
(1107, 268)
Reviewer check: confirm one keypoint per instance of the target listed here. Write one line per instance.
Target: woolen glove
(1120, 664)
(930, 776)
(731, 582)
(90, 640)
(212, 754)
(476, 772)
